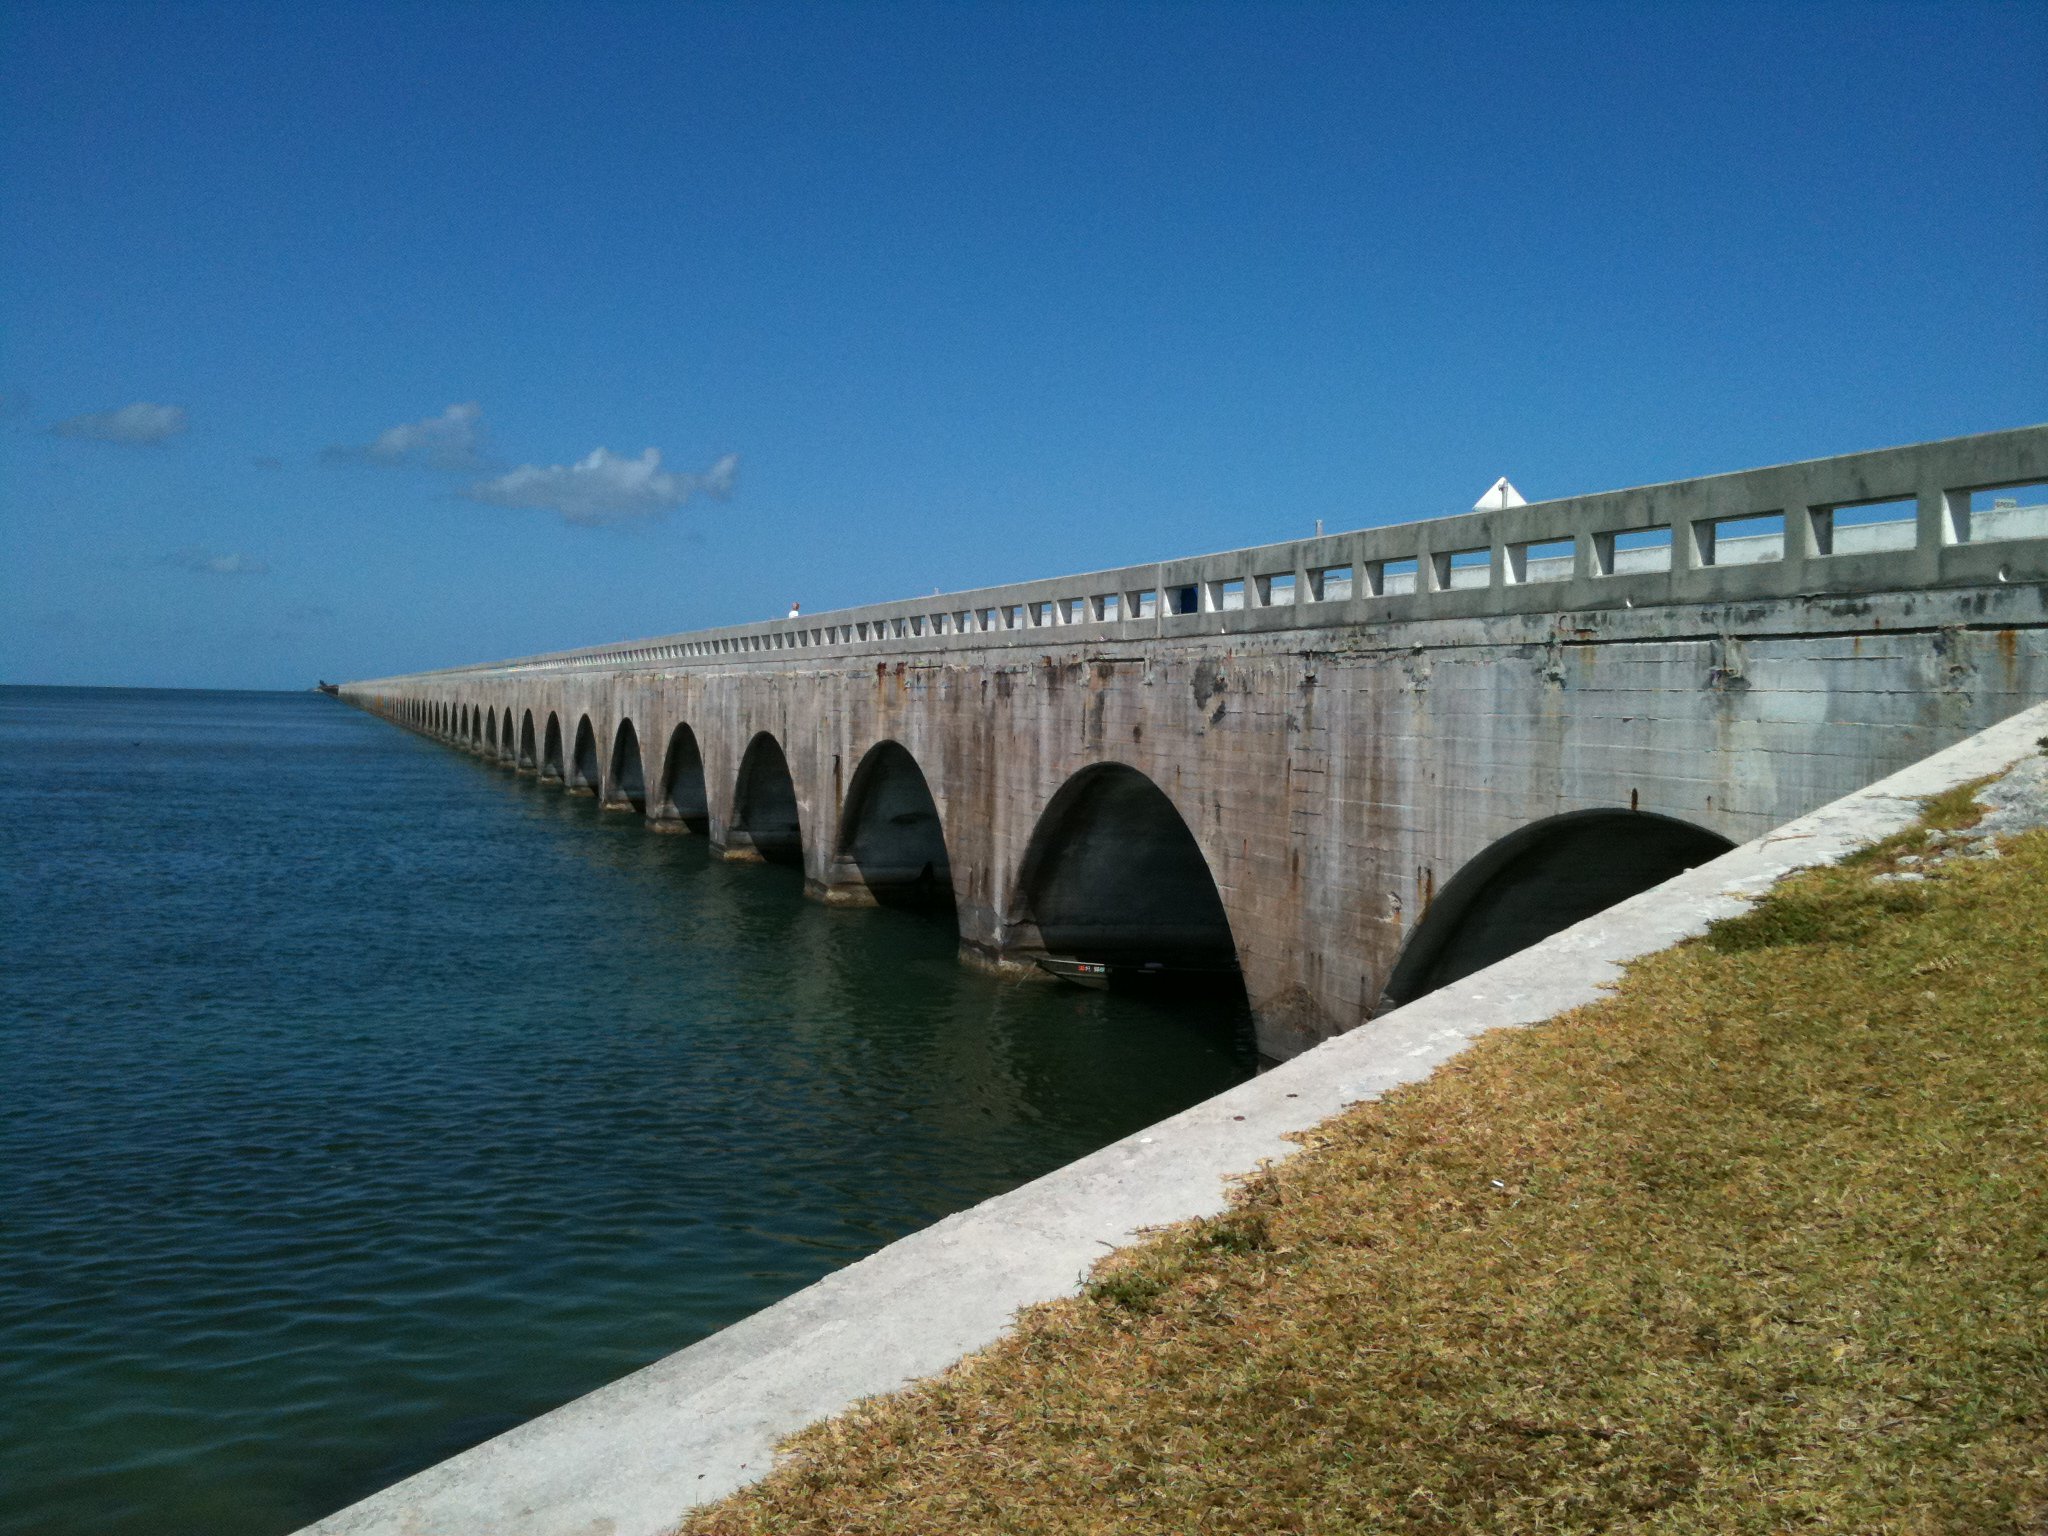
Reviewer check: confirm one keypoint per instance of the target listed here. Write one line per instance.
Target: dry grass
(1758, 1244)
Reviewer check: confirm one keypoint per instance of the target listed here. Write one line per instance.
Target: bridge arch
(1538, 881)
(891, 833)
(627, 781)
(551, 751)
(491, 730)
(586, 771)
(764, 815)
(529, 752)
(1113, 874)
(476, 726)
(683, 796)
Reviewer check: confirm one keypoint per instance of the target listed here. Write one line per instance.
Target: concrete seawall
(630, 1459)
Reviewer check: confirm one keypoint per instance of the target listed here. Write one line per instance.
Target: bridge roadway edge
(632, 1458)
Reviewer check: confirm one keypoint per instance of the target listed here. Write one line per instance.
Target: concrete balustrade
(1435, 568)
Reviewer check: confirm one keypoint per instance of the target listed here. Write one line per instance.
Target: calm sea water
(358, 1101)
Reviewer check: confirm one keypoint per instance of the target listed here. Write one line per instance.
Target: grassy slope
(1760, 1243)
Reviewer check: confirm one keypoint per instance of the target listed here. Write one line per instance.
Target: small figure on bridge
(795, 609)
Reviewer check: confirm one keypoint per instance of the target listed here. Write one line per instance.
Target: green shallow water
(359, 1100)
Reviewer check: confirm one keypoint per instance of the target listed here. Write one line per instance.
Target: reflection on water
(363, 1100)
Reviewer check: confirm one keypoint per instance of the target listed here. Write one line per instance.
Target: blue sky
(315, 318)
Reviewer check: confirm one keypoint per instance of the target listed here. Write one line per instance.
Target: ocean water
(359, 1100)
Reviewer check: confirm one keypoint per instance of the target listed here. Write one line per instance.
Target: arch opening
(1539, 881)
(586, 773)
(1116, 885)
(890, 832)
(491, 730)
(551, 752)
(764, 804)
(529, 758)
(682, 781)
(628, 782)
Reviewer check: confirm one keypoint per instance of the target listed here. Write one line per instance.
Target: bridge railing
(1965, 511)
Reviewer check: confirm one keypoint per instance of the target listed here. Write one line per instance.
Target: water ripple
(362, 1101)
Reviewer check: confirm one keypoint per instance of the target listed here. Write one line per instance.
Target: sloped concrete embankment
(632, 1457)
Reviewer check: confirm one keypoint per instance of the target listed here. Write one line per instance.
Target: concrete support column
(1809, 532)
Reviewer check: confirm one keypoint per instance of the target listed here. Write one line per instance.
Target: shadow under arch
(890, 832)
(683, 797)
(491, 730)
(586, 772)
(551, 751)
(765, 815)
(1537, 881)
(529, 757)
(627, 779)
(1114, 876)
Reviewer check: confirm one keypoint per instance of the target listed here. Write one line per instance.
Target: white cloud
(206, 563)
(137, 423)
(605, 488)
(453, 440)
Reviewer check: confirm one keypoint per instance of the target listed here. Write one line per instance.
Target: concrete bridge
(1349, 769)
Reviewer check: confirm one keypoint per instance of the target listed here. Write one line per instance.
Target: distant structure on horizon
(1499, 497)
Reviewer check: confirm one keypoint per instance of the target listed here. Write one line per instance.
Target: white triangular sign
(1498, 496)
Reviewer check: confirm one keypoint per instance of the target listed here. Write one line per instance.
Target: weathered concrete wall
(1334, 791)
(1339, 760)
